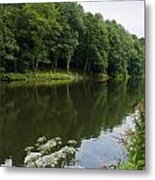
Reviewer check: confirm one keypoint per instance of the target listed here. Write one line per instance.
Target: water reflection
(72, 111)
(105, 151)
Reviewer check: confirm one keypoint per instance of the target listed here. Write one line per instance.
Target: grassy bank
(41, 76)
(135, 144)
(50, 75)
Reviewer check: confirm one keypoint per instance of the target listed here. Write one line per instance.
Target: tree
(61, 35)
(117, 58)
(71, 24)
(136, 61)
(36, 27)
(8, 44)
(94, 44)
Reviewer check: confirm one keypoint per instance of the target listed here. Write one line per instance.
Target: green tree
(8, 44)
(117, 58)
(61, 35)
(94, 44)
(36, 28)
(71, 24)
(137, 59)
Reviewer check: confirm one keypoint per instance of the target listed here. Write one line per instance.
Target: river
(92, 113)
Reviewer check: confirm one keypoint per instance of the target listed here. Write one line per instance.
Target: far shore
(50, 76)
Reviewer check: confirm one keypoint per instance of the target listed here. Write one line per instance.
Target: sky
(130, 14)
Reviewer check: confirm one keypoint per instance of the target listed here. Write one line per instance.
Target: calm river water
(91, 113)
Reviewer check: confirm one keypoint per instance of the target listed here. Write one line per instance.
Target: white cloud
(128, 13)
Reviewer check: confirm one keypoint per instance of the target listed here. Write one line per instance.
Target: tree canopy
(51, 36)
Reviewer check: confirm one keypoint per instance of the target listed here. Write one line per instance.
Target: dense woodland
(61, 36)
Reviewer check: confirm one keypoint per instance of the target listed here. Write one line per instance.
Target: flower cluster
(50, 153)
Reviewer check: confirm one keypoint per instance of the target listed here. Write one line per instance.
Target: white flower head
(41, 139)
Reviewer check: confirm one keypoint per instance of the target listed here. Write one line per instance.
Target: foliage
(51, 36)
(135, 143)
(50, 153)
(136, 61)
(121, 44)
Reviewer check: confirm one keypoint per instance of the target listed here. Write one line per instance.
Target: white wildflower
(52, 165)
(41, 139)
(48, 156)
(30, 164)
(58, 139)
(72, 142)
(28, 149)
(32, 157)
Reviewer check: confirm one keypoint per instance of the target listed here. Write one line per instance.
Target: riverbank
(40, 76)
(134, 142)
(50, 75)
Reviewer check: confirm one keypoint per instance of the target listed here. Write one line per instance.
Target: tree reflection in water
(71, 111)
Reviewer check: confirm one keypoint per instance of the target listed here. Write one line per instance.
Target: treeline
(51, 36)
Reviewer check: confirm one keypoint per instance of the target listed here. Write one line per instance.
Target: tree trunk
(89, 65)
(86, 65)
(33, 66)
(68, 63)
(55, 64)
(36, 65)
(15, 65)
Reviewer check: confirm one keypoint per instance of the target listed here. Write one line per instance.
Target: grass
(51, 75)
(41, 76)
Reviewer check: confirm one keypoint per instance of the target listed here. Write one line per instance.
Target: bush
(135, 144)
